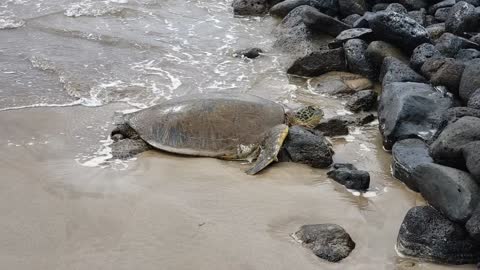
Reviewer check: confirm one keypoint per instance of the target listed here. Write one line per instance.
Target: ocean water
(140, 52)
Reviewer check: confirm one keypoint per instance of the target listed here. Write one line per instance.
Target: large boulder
(349, 7)
(449, 44)
(421, 54)
(250, 7)
(355, 52)
(426, 234)
(329, 7)
(318, 63)
(350, 177)
(410, 110)
(448, 148)
(451, 191)
(320, 22)
(470, 81)
(444, 72)
(328, 241)
(398, 29)
(462, 18)
(466, 55)
(407, 155)
(293, 36)
(394, 70)
(307, 147)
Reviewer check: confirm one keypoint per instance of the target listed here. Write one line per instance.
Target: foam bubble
(89, 8)
(10, 23)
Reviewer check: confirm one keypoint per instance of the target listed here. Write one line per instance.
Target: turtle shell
(222, 125)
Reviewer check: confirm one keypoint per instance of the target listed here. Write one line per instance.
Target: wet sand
(170, 212)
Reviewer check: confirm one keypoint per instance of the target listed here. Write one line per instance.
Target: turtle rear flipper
(269, 148)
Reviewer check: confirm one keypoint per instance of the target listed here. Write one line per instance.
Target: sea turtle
(220, 125)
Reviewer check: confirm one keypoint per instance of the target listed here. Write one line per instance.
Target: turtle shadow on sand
(220, 125)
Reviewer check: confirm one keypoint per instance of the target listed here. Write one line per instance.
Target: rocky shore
(425, 54)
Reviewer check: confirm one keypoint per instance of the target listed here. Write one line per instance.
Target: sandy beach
(164, 211)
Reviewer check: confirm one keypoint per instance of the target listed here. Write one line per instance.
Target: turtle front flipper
(269, 148)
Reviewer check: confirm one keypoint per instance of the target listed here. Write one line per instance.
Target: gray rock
(329, 7)
(414, 4)
(377, 51)
(249, 53)
(441, 15)
(443, 4)
(333, 127)
(407, 155)
(306, 147)
(396, 7)
(421, 54)
(472, 159)
(355, 50)
(293, 36)
(448, 148)
(420, 16)
(351, 19)
(449, 44)
(328, 241)
(364, 100)
(470, 81)
(318, 63)
(394, 70)
(475, 38)
(250, 7)
(338, 125)
(410, 110)
(466, 55)
(451, 191)
(379, 7)
(473, 224)
(435, 31)
(429, 21)
(452, 115)
(354, 33)
(350, 177)
(474, 100)
(349, 7)
(461, 18)
(398, 29)
(445, 72)
(428, 235)
(320, 22)
(361, 22)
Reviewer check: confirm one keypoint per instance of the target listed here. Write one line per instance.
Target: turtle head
(307, 116)
(123, 131)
